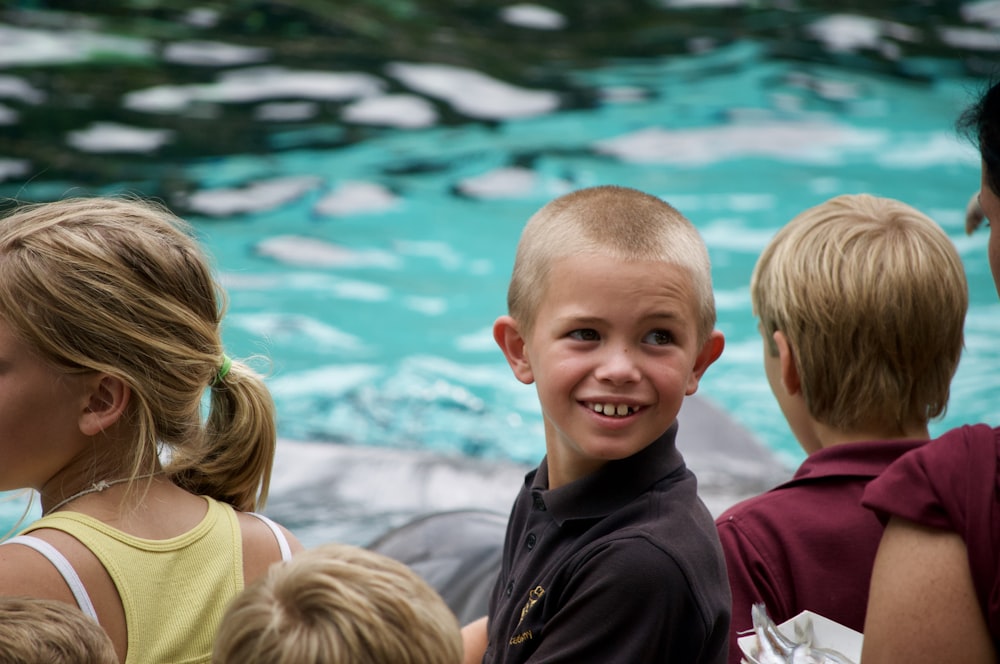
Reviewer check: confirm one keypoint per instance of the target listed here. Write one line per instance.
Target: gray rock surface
(445, 516)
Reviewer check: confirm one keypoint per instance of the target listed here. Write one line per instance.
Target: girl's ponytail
(234, 462)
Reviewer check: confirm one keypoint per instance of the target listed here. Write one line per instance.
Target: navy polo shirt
(623, 565)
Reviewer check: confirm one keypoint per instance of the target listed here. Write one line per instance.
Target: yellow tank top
(174, 591)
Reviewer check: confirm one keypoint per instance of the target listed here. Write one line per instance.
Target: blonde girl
(109, 339)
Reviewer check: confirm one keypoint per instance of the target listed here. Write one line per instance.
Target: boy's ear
(106, 400)
(786, 357)
(709, 353)
(508, 337)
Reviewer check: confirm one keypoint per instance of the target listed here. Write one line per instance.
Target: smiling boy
(610, 556)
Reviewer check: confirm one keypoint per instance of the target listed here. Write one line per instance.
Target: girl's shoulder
(264, 542)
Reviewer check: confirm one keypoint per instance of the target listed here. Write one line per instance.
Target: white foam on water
(161, 99)
(201, 17)
(306, 282)
(430, 306)
(473, 93)
(108, 137)
(309, 330)
(459, 372)
(304, 251)
(847, 33)
(326, 381)
(986, 12)
(810, 141)
(970, 38)
(26, 47)
(533, 17)
(255, 197)
(402, 111)
(928, 150)
(254, 84)
(15, 87)
(512, 182)
(213, 54)
(830, 89)
(270, 82)
(357, 197)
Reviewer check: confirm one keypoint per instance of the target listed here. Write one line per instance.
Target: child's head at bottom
(339, 604)
(44, 631)
(869, 296)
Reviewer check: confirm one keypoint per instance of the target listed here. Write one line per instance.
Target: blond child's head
(339, 604)
(120, 286)
(44, 631)
(871, 296)
(623, 223)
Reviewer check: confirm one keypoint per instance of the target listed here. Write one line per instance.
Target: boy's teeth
(611, 409)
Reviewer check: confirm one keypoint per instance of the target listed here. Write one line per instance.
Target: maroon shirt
(808, 544)
(952, 483)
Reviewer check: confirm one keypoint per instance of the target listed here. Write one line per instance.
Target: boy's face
(613, 352)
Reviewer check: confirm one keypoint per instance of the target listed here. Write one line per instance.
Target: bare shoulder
(26, 572)
(923, 605)
(260, 546)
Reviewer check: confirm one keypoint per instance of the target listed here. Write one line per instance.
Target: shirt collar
(615, 484)
(861, 459)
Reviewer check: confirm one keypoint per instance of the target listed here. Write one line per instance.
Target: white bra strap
(65, 568)
(286, 551)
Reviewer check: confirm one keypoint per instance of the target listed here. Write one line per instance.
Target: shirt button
(530, 542)
(510, 588)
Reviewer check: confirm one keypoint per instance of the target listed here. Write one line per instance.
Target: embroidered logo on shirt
(533, 597)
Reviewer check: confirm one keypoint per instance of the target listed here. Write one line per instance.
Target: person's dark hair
(981, 123)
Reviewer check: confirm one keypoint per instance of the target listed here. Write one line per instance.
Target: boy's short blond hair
(46, 631)
(624, 223)
(871, 295)
(340, 604)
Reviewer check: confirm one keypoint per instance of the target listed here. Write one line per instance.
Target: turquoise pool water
(368, 273)
(378, 322)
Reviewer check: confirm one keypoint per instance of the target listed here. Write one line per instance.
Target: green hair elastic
(227, 363)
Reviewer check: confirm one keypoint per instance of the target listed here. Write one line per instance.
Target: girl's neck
(96, 487)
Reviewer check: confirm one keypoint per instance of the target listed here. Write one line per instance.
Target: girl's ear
(106, 400)
(786, 357)
(508, 337)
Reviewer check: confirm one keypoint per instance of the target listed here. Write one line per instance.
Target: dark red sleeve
(951, 483)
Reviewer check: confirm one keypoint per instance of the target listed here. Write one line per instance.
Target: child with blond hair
(610, 555)
(861, 302)
(109, 341)
(47, 631)
(339, 604)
